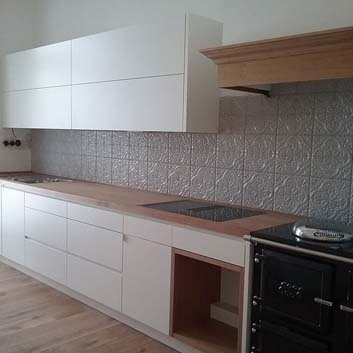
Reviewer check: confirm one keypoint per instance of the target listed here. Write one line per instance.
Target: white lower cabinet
(46, 261)
(13, 225)
(146, 282)
(94, 281)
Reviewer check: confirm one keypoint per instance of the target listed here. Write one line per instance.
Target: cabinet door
(131, 52)
(13, 225)
(146, 282)
(149, 104)
(46, 108)
(45, 260)
(46, 66)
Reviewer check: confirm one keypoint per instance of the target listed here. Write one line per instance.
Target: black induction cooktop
(284, 234)
(204, 210)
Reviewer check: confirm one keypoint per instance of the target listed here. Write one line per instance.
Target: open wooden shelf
(209, 336)
(196, 286)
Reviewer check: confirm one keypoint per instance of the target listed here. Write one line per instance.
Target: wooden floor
(36, 318)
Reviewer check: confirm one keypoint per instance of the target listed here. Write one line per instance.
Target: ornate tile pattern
(291, 153)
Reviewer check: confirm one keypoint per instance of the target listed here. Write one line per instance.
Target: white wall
(244, 20)
(16, 33)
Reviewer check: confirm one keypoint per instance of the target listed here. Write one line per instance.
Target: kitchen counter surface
(130, 201)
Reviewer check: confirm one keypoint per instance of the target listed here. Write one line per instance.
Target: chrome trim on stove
(297, 249)
(323, 302)
(346, 309)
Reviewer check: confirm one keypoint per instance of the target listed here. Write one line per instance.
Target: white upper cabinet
(149, 104)
(147, 77)
(44, 108)
(130, 52)
(38, 68)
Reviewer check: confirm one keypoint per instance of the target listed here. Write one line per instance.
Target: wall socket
(12, 143)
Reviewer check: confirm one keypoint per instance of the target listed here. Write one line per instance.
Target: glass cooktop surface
(204, 210)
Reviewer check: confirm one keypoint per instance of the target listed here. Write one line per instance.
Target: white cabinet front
(46, 108)
(46, 66)
(94, 281)
(13, 225)
(130, 52)
(148, 104)
(146, 282)
(47, 261)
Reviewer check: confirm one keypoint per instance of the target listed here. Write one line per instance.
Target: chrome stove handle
(323, 302)
(346, 309)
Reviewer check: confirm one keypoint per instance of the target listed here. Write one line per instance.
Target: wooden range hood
(307, 57)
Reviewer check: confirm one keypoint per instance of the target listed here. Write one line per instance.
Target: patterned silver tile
(332, 157)
(158, 139)
(138, 153)
(258, 190)
(329, 199)
(232, 117)
(230, 151)
(317, 86)
(104, 170)
(120, 144)
(203, 183)
(104, 144)
(292, 194)
(296, 114)
(138, 174)
(203, 158)
(293, 154)
(334, 114)
(71, 166)
(180, 148)
(261, 115)
(139, 139)
(179, 180)
(345, 85)
(159, 155)
(203, 150)
(158, 177)
(229, 186)
(120, 172)
(260, 153)
(284, 88)
(89, 143)
(88, 168)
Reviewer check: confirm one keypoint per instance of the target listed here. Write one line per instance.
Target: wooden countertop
(129, 201)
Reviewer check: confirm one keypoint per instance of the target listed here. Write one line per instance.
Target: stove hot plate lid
(324, 231)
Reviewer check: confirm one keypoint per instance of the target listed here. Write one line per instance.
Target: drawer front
(96, 217)
(47, 261)
(46, 228)
(216, 247)
(95, 282)
(149, 230)
(96, 244)
(46, 204)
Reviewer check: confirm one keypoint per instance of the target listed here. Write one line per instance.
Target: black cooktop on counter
(204, 210)
(284, 234)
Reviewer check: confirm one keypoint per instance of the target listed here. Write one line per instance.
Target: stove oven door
(271, 338)
(293, 290)
(346, 308)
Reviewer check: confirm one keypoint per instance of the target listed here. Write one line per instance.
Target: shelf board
(210, 336)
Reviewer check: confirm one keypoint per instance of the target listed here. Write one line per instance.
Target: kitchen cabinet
(99, 245)
(13, 225)
(130, 52)
(0, 221)
(44, 108)
(95, 282)
(46, 261)
(150, 104)
(147, 77)
(47, 66)
(146, 282)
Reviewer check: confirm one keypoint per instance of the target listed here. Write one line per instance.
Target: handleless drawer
(46, 204)
(46, 261)
(149, 230)
(95, 282)
(214, 246)
(96, 217)
(96, 244)
(46, 228)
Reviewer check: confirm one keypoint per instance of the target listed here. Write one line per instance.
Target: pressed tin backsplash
(291, 153)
